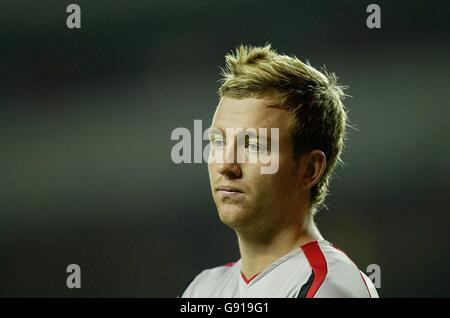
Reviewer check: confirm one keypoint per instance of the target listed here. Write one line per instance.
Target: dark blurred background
(86, 117)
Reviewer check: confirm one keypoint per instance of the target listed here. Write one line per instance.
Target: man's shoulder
(343, 277)
(216, 273)
(336, 257)
(324, 257)
(208, 279)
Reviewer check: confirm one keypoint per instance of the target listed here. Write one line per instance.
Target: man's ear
(313, 165)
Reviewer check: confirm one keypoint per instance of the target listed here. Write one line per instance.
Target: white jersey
(316, 269)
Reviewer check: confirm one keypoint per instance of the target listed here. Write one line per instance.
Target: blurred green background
(86, 117)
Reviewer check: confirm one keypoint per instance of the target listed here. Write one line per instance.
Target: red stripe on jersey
(229, 264)
(318, 263)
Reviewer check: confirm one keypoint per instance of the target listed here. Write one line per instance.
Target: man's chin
(232, 216)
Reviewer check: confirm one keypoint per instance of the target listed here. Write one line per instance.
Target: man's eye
(252, 146)
(218, 142)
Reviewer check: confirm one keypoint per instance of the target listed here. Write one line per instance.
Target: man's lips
(228, 189)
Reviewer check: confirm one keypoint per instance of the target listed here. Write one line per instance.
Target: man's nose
(230, 167)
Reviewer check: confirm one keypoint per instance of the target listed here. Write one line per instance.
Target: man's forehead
(249, 113)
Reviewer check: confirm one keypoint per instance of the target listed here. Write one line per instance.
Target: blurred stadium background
(86, 117)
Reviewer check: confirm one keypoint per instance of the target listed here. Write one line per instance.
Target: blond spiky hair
(313, 97)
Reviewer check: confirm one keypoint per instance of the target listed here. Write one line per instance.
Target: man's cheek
(210, 171)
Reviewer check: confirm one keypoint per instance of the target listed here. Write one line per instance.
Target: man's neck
(257, 255)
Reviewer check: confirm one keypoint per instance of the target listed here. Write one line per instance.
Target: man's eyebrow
(255, 134)
(250, 133)
(215, 131)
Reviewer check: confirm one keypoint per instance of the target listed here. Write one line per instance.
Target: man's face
(246, 199)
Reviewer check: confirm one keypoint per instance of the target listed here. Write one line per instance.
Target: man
(282, 252)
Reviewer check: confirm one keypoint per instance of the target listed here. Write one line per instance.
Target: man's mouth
(229, 190)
